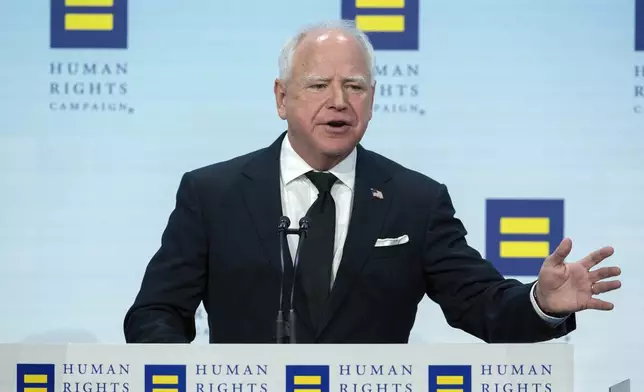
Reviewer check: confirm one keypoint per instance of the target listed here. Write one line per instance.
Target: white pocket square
(403, 239)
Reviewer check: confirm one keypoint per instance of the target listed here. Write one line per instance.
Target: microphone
(305, 224)
(282, 229)
(285, 223)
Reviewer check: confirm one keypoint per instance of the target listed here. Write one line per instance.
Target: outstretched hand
(565, 288)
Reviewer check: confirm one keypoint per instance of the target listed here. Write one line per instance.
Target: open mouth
(337, 124)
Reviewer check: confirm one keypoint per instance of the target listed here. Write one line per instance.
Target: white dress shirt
(298, 194)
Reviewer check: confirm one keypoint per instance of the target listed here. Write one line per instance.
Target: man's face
(328, 99)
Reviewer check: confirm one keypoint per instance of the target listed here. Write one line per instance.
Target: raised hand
(565, 288)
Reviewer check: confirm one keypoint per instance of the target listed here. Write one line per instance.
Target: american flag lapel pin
(376, 194)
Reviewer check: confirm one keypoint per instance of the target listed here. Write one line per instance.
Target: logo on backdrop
(521, 233)
(639, 25)
(391, 25)
(35, 377)
(88, 24)
(41, 377)
(639, 47)
(491, 377)
(450, 378)
(82, 27)
(165, 378)
(307, 378)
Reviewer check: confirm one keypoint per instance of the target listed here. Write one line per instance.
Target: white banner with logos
(287, 368)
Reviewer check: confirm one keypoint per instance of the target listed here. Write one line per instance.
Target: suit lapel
(261, 190)
(367, 218)
(262, 197)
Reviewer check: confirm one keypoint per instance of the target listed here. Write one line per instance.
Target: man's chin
(337, 154)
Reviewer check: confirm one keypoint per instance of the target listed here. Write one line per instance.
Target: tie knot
(322, 181)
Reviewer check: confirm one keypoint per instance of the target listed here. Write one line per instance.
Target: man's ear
(372, 97)
(280, 98)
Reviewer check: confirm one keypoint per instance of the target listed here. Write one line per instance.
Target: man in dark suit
(381, 237)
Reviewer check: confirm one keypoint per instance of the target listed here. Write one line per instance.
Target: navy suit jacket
(221, 247)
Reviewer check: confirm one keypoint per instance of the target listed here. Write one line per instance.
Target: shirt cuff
(554, 321)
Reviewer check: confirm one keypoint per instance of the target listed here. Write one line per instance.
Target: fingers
(596, 257)
(560, 254)
(598, 304)
(605, 287)
(604, 273)
(600, 288)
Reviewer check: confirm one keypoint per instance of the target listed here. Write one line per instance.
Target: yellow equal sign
(449, 380)
(165, 380)
(380, 23)
(87, 21)
(35, 379)
(526, 226)
(307, 380)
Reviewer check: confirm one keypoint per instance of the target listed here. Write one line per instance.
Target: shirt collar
(292, 166)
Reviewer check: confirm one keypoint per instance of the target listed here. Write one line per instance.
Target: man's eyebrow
(356, 79)
(350, 79)
(316, 78)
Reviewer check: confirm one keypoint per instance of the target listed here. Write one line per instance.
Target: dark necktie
(316, 258)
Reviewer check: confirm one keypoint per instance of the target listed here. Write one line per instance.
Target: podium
(286, 368)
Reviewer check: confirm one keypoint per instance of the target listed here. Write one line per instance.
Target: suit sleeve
(174, 280)
(472, 294)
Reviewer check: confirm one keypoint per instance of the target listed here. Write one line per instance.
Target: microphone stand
(282, 230)
(282, 326)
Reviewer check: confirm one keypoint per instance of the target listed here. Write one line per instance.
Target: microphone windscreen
(285, 223)
(305, 223)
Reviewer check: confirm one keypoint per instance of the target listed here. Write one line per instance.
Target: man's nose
(338, 99)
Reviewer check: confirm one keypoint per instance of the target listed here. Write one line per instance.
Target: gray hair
(285, 61)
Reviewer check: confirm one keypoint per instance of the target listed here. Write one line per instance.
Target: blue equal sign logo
(389, 24)
(639, 25)
(522, 233)
(450, 378)
(165, 378)
(88, 24)
(35, 377)
(307, 378)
